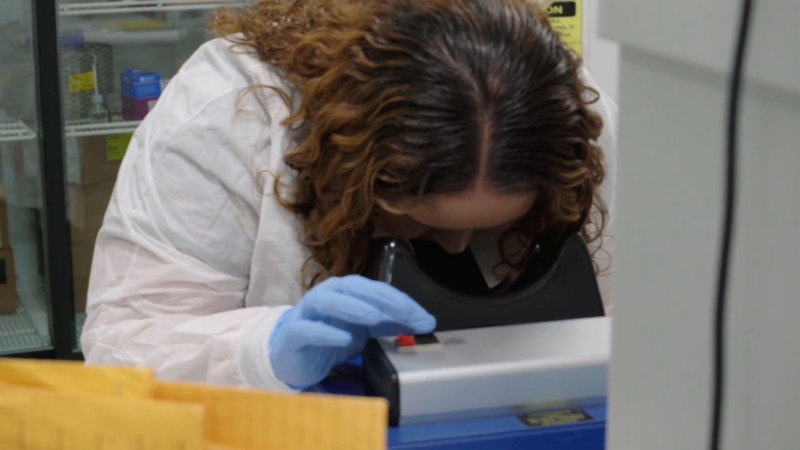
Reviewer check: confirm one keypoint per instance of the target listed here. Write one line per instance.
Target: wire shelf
(128, 6)
(12, 130)
(18, 334)
(82, 128)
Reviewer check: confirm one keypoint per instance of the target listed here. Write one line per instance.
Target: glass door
(24, 310)
(116, 57)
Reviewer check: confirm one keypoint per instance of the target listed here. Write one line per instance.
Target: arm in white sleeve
(172, 263)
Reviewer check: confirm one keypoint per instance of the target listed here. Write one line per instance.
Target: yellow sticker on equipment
(117, 145)
(81, 82)
(555, 417)
(567, 19)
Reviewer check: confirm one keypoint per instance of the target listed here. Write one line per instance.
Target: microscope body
(503, 350)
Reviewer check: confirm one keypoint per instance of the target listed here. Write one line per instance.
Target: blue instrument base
(502, 433)
(497, 433)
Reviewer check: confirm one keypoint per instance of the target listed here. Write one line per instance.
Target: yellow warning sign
(81, 82)
(117, 145)
(567, 19)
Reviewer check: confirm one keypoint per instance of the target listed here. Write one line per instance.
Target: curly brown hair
(412, 98)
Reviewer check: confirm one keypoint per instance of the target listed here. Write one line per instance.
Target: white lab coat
(196, 260)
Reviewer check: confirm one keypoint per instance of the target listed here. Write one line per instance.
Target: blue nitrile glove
(332, 323)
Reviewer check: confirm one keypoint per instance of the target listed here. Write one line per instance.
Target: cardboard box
(8, 282)
(87, 207)
(92, 160)
(81, 269)
(22, 180)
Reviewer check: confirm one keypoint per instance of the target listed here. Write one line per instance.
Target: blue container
(139, 84)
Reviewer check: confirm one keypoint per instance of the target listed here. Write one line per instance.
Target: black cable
(734, 100)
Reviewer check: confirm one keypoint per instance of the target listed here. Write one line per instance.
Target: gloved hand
(332, 323)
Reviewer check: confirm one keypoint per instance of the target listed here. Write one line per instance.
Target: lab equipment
(407, 343)
(332, 323)
(492, 371)
(496, 356)
(570, 428)
(556, 285)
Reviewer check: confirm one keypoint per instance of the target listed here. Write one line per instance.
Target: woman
(249, 193)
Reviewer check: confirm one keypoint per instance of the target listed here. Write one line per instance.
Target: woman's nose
(453, 241)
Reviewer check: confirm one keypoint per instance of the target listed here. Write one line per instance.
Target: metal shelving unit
(18, 332)
(12, 130)
(159, 36)
(85, 128)
(127, 6)
(45, 323)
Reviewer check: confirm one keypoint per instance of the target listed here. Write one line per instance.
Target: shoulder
(190, 176)
(221, 61)
(220, 71)
(219, 103)
(213, 131)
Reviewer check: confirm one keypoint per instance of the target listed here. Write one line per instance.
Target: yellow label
(117, 145)
(567, 19)
(81, 82)
(555, 417)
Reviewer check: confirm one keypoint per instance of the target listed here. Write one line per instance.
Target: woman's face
(450, 220)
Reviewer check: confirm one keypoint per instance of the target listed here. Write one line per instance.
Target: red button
(405, 340)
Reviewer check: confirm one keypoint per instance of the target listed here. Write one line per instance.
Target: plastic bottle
(99, 113)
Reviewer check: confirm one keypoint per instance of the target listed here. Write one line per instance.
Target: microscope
(536, 343)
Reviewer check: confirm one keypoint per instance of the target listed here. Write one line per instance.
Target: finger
(395, 303)
(393, 329)
(355, 310)
(331, 304)
(304, 333)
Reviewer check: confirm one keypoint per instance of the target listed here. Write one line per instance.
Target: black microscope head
(560, 285)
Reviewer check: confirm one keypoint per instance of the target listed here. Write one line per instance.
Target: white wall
(602, 54)
(673, 73)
